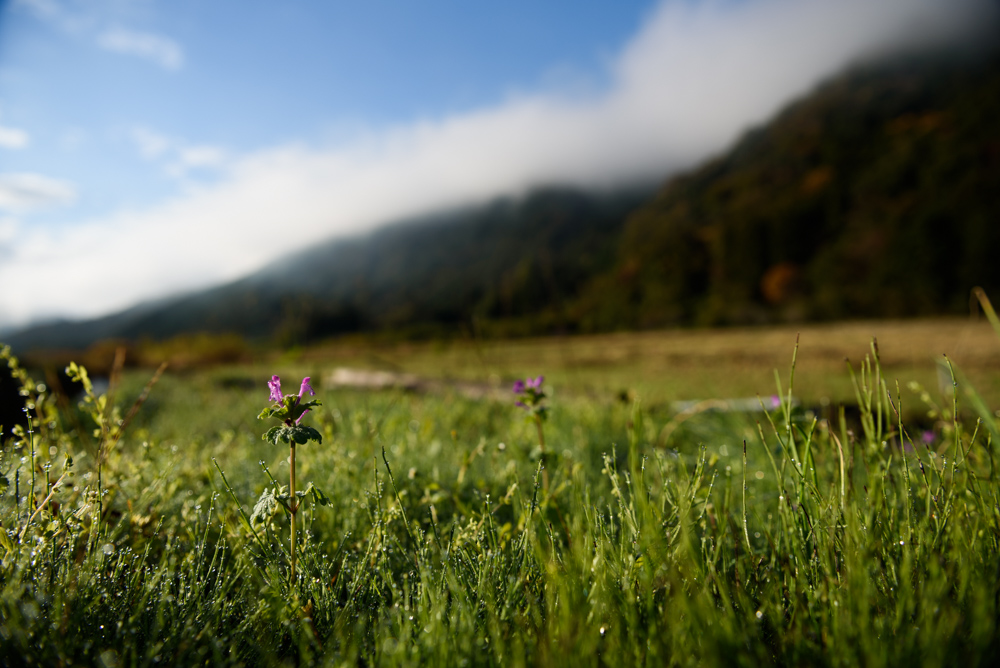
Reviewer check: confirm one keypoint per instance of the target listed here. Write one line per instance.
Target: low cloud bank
(688, 84)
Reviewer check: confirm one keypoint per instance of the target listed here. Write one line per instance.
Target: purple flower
(289, 408)
(775, 401)
(275, 385)
(529, 396)
(927, 437)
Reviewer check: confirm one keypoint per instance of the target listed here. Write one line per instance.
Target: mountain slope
(876, 196)
(510, 258)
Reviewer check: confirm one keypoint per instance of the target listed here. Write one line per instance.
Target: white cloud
(90, 20)
(202, 156)
(13, 137)
(8, 230)
(151, 144)
(196, 157)
(179, 156)
(26, 192)
(161, 50)
(693, 79)
(8, 235)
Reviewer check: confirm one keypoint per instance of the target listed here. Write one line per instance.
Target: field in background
(594, 375)
(683, 365)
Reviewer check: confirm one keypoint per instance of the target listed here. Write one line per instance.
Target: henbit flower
(775, 401)
(275, 385)
(302, 416)
(306, 386)
(529, 396)
(927, 437)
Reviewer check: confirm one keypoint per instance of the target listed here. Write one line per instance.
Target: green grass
(830, 542)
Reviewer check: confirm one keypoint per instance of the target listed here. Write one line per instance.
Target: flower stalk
(293, 504)
(531, 398)
(290, 409)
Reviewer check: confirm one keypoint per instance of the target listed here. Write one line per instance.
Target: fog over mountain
(694, 77)
(875, 195)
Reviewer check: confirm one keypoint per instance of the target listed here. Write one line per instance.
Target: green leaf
(6, 542)
(305, 434)
(292, 434)
(265, 507)
(272, 435)
(320, 498)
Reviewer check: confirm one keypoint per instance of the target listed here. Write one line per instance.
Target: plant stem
(293, 502)
(31, 444)
(541, 445)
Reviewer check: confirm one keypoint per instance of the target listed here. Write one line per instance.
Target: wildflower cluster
(530, 397)
(290, 409)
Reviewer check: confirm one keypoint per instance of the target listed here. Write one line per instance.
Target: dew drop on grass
(760, 615)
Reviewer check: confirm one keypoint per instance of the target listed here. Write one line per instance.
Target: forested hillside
(876, 196)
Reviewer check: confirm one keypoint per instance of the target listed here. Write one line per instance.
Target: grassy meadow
(856, 521)
(693, 364)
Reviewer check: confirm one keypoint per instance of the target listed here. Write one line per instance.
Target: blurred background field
(691, 364)
(665, 371)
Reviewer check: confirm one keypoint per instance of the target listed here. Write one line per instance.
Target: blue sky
(235, 76)
(152, 146)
